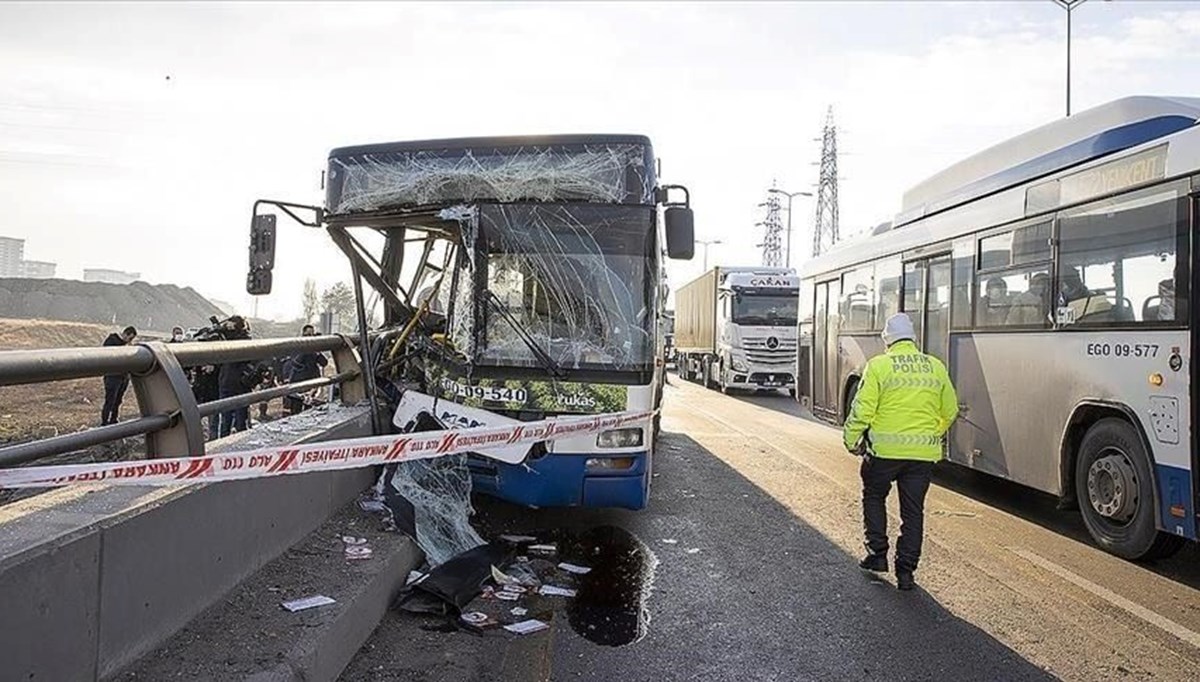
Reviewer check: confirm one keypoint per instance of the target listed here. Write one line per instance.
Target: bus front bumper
(567, 480)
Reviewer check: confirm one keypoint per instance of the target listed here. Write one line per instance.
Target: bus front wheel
(1115, 487)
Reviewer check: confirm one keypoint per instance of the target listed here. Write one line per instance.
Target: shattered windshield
(574, 277)
(765, 309)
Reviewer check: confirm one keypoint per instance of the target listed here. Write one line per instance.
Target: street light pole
(706, 245)
(1069, 5)
(790, 196)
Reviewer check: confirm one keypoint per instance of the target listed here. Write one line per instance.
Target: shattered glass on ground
(439, 492)
(604, 173)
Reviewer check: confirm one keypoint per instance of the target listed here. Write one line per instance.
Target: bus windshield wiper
(538, 352)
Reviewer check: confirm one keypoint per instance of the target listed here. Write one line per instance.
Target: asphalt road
(752, 539)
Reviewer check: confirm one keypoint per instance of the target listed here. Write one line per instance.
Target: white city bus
(1051, 273)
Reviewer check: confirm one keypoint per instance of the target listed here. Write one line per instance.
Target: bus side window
(887, 281)
(1120, 258)
(1014, 298)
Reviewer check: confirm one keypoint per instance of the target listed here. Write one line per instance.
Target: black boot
(905, 580)
(874, 562)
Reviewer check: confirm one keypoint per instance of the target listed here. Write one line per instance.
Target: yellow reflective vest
(905, 404)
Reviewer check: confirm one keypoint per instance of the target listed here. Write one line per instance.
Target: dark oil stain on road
(610, 607)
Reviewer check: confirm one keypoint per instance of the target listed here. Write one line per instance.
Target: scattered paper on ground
(308, 603)
(527, 627)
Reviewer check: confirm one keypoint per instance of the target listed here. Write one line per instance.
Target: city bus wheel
(1115, 488)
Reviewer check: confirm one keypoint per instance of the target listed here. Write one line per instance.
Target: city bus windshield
(574, 278)
(777, 310)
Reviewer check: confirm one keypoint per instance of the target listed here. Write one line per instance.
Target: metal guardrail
(170, 416)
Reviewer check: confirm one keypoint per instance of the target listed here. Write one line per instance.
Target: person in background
(1031, 308)
(176, 335)
(995, 302)
(115, 385)
(234, 378)
(303, 367)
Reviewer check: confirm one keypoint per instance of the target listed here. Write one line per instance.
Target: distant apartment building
(12, 253)
(110, 276)
(38, 269)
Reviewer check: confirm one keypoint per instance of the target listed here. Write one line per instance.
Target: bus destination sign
(1114, 176)
(1107, 178)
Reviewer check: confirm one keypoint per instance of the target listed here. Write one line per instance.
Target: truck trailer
(735, 328)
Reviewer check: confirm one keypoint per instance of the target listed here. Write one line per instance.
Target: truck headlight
(620, 438)
(739, 364)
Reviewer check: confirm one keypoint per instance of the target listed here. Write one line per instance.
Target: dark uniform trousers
(912, 479)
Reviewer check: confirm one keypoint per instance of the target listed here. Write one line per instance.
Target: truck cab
(756, 329)
(736, 328)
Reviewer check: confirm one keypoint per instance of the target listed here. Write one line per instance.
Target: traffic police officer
(905, 404)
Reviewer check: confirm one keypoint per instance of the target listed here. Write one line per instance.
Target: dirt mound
(30, 334)
(143, 305)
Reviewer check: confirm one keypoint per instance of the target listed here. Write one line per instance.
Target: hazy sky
(107, 162)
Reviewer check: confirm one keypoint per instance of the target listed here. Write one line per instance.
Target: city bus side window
(1120, 260)
(858, 300)
(914, 288)
(887, 284)
(1011, 292)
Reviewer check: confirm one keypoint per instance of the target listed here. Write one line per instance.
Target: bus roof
(399, 176)
(490, 143)
(1067, 142)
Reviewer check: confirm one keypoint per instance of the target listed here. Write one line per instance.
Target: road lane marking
(1134, 609)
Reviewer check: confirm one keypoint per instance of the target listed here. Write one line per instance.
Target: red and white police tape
(327, 456)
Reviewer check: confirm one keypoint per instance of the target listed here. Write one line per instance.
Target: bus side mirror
(262, 254)
(681, 237)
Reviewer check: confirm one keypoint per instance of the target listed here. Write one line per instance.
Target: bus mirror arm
(262, 241)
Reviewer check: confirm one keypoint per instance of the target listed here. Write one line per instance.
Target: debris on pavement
(575, 568)
(358, 553)
(527, 627)
(356, 548)
(371, 505)
(518, 539)
(307, 603)
(519, 611)
(556, 591)
(550, 548)
(670, 541)
(478, 620)
(449, 587)
(959, 514)
(503, 579)
(429, 500)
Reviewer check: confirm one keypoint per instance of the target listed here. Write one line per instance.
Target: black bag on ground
(451, 586)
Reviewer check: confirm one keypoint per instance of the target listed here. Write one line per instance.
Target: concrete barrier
(93, 578)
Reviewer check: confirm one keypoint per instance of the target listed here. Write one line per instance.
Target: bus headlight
(620, 438)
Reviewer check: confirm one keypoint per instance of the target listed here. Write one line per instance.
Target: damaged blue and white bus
(518, 278)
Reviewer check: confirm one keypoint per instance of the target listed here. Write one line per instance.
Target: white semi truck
(735, 328)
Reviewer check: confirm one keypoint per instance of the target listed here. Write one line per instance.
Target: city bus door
(825, 349)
